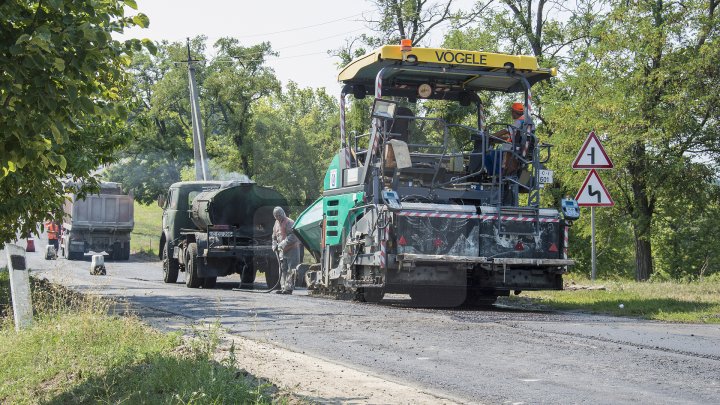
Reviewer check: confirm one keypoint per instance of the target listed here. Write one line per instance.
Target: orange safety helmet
(518, 108)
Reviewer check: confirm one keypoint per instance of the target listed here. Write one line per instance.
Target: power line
(321, 39)
(299, 28)
(275, 57)
(290, 46)
(302, 55)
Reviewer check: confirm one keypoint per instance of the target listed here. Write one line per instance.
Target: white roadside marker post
(19, 286)
(97, 265)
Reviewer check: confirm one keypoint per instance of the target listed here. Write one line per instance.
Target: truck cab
(176, 216)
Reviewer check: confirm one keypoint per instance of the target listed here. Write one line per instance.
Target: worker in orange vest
(53, 232)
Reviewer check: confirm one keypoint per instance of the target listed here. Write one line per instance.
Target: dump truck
(214, 229)
(99, 223)
(413, 207)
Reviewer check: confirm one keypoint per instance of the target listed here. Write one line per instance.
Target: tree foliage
(278, 138)
(295, 134)
(644, 75)
(229, 85)
(406, 19)
(63, 100)
(648, 87)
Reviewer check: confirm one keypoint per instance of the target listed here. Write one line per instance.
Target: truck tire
(192, 279)
(300, 272)
(171, 267)
(247, 276)
(209, 282)
(125, 251)
(272, 273)
(116, 252)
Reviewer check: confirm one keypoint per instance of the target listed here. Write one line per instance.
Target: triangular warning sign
(593, 192)
(592, 155)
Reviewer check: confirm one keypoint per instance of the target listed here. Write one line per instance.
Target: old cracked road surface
(499, 355)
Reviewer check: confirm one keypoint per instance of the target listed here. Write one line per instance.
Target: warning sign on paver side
(592, 155)
(593, 192)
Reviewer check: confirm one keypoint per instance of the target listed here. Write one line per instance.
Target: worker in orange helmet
(492, 162)
(517, 112)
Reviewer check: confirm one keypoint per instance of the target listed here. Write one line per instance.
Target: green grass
(148, 225)
(688, 302)
(76, 353)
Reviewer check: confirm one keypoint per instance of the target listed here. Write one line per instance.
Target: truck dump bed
(109, 210)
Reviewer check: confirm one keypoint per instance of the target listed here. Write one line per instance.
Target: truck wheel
(192, 280)
(300, 272)
(272, 273)
(125, 252)
(115, 252)
(170, 267)
(209, 282)
(247, 276)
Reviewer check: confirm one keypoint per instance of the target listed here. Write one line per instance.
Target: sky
(300, 31)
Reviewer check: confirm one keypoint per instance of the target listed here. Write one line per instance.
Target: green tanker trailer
(214, 229)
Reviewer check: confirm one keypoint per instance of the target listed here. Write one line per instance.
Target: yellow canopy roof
(469, 70)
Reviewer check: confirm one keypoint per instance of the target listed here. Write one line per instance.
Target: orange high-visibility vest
(52, 230)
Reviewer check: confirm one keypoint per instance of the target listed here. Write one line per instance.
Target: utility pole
(202, 171)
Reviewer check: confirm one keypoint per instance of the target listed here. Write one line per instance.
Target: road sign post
(593, 192)
(593, 261)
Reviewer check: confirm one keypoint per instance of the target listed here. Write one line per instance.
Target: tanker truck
(214, 229)
(447, 211)
(97, 223)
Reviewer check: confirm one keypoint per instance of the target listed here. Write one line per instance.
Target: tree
(63, 100)
(160, 127)
(650, 85)
(406, 19)
(295, 134)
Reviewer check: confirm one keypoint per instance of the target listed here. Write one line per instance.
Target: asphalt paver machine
(444, 211)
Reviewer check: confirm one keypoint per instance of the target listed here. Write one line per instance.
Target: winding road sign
(592, 155)
(593, 192)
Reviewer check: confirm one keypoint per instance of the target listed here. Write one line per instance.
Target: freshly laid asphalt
(499, 355)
